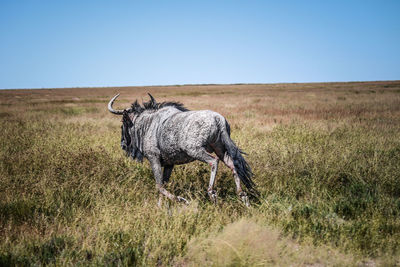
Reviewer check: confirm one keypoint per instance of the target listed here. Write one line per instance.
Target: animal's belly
(176, 158)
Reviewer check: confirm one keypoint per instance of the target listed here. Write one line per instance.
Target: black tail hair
(242, 167)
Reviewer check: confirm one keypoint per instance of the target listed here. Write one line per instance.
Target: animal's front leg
(156, 166)
(167, 173)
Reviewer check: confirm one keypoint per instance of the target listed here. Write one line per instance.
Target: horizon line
(195, 84)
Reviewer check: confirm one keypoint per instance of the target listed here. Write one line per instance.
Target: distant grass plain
(325, 157)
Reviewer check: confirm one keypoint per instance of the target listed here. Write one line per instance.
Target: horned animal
(168, 134)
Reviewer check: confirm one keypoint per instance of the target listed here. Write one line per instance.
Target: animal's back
(183, 132)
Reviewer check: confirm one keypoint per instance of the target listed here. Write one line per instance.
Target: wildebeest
(168, 134)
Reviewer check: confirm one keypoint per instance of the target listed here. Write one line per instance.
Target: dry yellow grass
(325, 157)
(248, 243)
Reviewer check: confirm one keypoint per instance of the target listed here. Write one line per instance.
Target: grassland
(325, 158)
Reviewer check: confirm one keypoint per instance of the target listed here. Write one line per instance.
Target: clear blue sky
(122, 43)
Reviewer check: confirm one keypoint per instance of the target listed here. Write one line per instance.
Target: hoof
(245, 199)
(181, 199)
(213, 196)
(159, 203)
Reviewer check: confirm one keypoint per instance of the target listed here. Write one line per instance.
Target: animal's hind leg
(242, 194)
(211, 192)
(206, 157)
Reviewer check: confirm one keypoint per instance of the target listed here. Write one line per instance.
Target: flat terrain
(325, 157)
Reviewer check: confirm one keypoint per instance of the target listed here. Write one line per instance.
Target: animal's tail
(242, 167)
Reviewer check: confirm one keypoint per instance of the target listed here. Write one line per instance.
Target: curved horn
(152, 99)
(110, 108)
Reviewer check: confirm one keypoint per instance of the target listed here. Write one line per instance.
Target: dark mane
(153, 105)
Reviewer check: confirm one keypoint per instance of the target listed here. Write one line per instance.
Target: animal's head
(126, 139)
(131, 138)
(131, 134)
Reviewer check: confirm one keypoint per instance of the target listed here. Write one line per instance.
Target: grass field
(325, 157)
